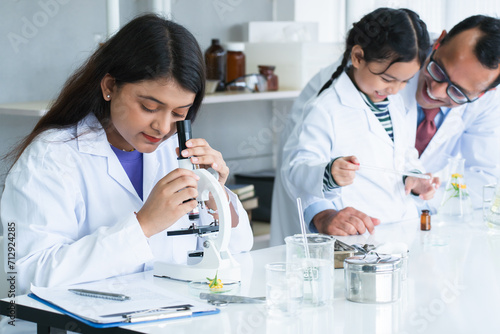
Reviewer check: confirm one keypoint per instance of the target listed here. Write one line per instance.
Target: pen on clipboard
(393, 171)
(157, 314)
(149, 310)
(99, 294)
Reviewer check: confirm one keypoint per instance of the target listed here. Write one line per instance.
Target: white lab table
(453, 286)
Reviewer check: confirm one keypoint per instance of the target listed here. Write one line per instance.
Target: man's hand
(347, 221)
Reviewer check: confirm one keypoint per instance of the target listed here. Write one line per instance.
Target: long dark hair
(386, 33)
(147, 48)
(487, 49)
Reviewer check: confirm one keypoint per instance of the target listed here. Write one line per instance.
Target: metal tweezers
(363, 249)
(342, 246)
(222, 300)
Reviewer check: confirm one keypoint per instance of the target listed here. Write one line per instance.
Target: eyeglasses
(439, 75)
(252, 82)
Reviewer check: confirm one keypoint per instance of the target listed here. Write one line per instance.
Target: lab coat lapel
(116, 171)
(95, 142)
(408, 95)
(151, 166)
(452, 124)
(400, 143)
(350, 97)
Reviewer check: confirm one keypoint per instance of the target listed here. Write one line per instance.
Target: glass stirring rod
(393, 171)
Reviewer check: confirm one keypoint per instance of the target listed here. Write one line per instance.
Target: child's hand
(344, 170)
(425, 189)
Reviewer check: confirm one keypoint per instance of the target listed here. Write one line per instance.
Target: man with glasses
(456, 105)
(453, 103)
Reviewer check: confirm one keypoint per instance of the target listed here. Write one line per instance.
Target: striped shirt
(381, 111)
(328, 181)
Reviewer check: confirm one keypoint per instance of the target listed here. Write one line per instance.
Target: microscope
(216, 257)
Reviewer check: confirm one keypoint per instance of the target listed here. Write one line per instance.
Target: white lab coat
(472, 131)
(73, 207)
(339, 123)
(284, 214)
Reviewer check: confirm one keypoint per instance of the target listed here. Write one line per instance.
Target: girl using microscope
(355, 122)
(96, 185)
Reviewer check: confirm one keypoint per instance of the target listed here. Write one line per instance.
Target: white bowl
(211, 86)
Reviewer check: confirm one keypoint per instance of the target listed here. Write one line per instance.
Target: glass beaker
(456, 205)
(317, 267)
(491, 206)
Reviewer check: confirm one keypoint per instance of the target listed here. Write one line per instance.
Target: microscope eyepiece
(183, 133)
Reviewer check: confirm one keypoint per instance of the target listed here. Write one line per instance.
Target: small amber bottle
(235, 61)
(215, 61)
(425, 220)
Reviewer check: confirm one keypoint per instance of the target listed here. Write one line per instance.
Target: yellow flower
(215, 283)
(456, 175)
(463, 186)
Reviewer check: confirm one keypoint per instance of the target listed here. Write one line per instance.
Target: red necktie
(426, 130)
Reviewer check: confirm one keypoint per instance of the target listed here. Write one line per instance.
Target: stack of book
(246, 194)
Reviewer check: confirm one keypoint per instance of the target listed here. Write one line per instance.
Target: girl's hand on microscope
(202, 154)
(205, 156)
(171, 198)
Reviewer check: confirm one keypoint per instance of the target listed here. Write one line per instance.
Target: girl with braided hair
(357, 119)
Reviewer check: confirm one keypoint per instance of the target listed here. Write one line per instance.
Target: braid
(338, 71)
(397, 35)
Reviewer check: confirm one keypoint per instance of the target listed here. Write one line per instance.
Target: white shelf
(39, 108)
(226, 97)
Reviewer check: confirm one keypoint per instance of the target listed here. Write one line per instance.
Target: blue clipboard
(116, 324)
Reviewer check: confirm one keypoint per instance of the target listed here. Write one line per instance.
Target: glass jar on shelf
(235, 61)
(215, 61)
(272, 79)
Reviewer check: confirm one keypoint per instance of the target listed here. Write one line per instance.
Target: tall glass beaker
(456, 205)
(491, 206)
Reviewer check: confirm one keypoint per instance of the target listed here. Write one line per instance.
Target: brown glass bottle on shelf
(215, 61)
(272, 79)
(235, 61)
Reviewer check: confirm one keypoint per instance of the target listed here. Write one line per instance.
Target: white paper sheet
(143, 296)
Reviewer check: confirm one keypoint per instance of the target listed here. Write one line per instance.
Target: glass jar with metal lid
(396, 249)
(372, 278)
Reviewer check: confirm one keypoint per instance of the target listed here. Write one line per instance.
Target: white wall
(437, 14)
